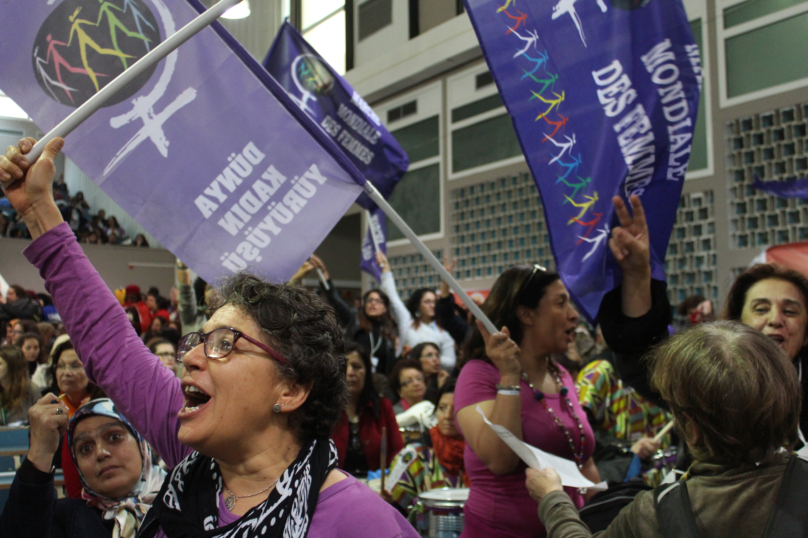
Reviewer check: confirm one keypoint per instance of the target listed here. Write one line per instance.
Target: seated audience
(736, 401)
(32, 350)
(429, 356)
(439, 466)
(17, 393)
(358, 435)
(140, 241)
(407, 381)
(619, 416)
(17, 304)
(118, 479)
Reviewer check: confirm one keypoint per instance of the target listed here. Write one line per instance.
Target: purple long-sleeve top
(149, 394)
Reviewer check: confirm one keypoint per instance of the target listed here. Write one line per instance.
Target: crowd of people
(272, 405)
(90, 227)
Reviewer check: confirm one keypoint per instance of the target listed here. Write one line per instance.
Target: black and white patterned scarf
(188, 503)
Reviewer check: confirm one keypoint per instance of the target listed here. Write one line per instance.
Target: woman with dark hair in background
(166, 352)
(140, 241)
(434, 377)
(511, 376)
(407, 381)
(31, 346)
(17, 393)
(17, 304)
(416, 320)
(358, 436)
(635, 315)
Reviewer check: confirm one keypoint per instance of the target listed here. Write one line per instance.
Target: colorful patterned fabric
(619, 411)
(423, 473)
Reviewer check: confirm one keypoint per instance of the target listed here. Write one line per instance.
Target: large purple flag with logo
(376, 235)
(790, 188)
(334, 105)
(205, 150)
(603, 95)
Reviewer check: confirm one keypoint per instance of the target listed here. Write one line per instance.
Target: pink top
(149, 394)
(501, 504)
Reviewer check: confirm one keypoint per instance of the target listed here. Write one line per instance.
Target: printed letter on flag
(205, 150)
(603, 95)
(376, 236)
(341, 112)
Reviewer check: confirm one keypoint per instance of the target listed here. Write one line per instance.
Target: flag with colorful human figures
(603, 95)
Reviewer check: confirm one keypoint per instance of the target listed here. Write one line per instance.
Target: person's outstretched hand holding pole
(631, 248)
(29, 188)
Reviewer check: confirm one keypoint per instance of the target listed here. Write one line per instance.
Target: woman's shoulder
(476, 383)
(475, 368)
(368, 515)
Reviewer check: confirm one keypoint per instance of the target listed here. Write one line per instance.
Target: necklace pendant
(230, 502)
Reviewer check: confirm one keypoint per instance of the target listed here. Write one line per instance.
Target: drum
(443, 511)
(662, 463)
(412, 434)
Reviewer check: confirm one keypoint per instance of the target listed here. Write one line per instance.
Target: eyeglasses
(374, 300)
(219, 343)
(536, 269)
(166, 354)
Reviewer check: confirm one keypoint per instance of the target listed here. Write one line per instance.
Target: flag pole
(376, 196)
(78, 116)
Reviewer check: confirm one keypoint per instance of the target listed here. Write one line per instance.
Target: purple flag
(375, 236)
(603, 95)
(334, 105)
(205, 150)
(790, 188)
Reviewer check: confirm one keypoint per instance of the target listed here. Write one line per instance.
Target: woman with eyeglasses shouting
(512, 377)
(416, 321)
(247, 427)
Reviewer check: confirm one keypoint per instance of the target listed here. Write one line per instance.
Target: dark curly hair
(413, 304)
(304, 329)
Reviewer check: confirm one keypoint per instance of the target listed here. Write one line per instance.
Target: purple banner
(334, 105)
(603, 95)
(205, 150)
(790, 188)
(376, 235)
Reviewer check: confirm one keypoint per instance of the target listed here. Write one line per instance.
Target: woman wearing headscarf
(247, 428)
(119, 480)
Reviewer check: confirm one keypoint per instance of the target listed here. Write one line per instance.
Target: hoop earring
(277, 408)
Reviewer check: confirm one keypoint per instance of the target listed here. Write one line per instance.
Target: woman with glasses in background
(164, 350)
(428, 354)
(407, 380)
(416, 321)
(247, 428)
(512, 377)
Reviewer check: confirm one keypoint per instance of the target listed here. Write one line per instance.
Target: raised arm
(388, 285)
(114, 357)
(505, 410)
(186, 296)
(345, 315)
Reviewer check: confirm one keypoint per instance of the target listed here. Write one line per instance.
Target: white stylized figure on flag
(565, 147)
(532, 38)
(567, 7)
(143, 107)
(601, 237)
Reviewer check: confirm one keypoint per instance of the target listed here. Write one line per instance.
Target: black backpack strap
(674, 511)
(790, 516)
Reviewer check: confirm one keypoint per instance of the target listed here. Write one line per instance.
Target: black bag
(789, 518)
(604, 506)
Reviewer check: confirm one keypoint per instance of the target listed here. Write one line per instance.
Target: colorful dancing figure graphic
(565, 147)
(519, 20)
(85, 40)
(59, 62)
(507, 4)
(590, 225)
(138, 16)
(537, 63)
(571, 167)
(585, 206)
(560, 124)
(115, 24)
(601, 238)
(46, 78)
(545, 82)
(532, 39)
(582, 183)
(554, 103)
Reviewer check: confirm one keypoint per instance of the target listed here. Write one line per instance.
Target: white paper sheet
(539, 459)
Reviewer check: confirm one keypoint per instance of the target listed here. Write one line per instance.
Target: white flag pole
(372, 230)
(376, 196)
(121, 81)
